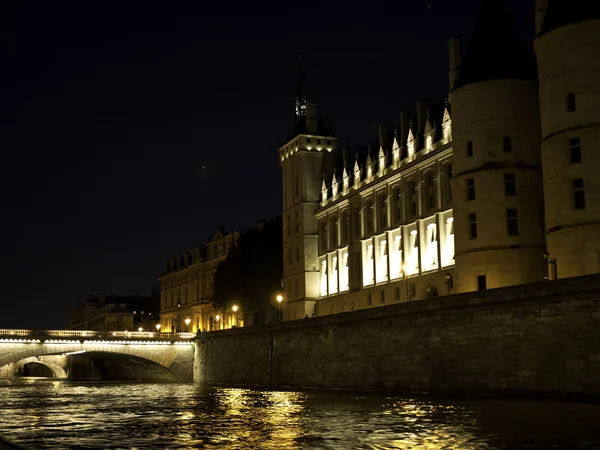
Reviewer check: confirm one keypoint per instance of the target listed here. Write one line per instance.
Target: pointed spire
(495, 51)
(560, 13)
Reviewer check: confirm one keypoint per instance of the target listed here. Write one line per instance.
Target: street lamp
(140, 329)
(449, 281)
(158, 327)
(235, 310)
(217, 317)
(187, 323)
(279, 300)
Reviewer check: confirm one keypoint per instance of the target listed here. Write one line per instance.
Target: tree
(251, 274)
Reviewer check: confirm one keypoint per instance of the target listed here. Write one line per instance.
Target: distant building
(496, 185)
(186, 287)
(116, 313)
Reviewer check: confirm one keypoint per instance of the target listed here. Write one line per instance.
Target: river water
(41, 415)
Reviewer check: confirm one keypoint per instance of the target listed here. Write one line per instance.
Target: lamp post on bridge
(280, 308)
(237, 319)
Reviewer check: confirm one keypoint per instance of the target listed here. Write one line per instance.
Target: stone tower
(302, 159)
(498, 200)
(568, 54)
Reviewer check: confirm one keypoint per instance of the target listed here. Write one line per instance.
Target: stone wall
(541, 338)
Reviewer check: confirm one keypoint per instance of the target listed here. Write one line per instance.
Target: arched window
(334, 230)
(382, 210)
(344, 227)
(446, 186)
(397, 204)
(357, 233)
(429, 197)
(323, 236)
(369, 216)
(412, 198)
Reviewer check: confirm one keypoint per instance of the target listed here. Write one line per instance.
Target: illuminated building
(453, 199)
(186, 288)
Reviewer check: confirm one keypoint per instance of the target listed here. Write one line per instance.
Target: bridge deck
(7, 335)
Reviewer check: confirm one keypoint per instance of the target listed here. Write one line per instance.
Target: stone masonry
(536, 339)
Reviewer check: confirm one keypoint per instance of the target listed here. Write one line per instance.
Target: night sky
(131, 130)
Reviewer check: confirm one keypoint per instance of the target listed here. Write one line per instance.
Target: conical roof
(564, 12)
(495, 51)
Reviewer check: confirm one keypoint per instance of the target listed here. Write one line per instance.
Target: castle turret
(497, 180)
(302, 163)
(568, 55)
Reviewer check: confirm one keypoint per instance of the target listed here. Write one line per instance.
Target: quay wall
(536, 339)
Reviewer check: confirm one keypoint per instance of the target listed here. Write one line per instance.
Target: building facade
(116, 313)
(186, 287)
(484, 189)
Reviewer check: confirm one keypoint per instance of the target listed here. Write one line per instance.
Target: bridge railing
(98, 334)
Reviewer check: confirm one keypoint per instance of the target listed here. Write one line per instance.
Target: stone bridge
(163, 356)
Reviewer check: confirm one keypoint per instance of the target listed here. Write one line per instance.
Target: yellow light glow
(158, 327)
(280, 298)
(187, 321)
(235, 308)
(217, 317)
(140, 329)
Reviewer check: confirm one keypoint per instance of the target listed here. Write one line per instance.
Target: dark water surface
(66, 415)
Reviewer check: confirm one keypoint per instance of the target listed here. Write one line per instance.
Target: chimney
(311, 118)
(422, 106)
(454, 57)
(540, 12)
(383, 137)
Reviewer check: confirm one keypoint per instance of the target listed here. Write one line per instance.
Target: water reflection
(65, 415)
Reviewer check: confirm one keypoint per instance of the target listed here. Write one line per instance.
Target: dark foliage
(251, 274)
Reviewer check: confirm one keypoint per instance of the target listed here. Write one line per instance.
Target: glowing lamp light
(279, 298)
(217, 317)
(235, 308)
(140, 329)
(158, 327)
(187, 321)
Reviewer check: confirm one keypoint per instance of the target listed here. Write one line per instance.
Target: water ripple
(180, 416)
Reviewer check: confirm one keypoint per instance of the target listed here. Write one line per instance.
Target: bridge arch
(57, 370)
(177, 357)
